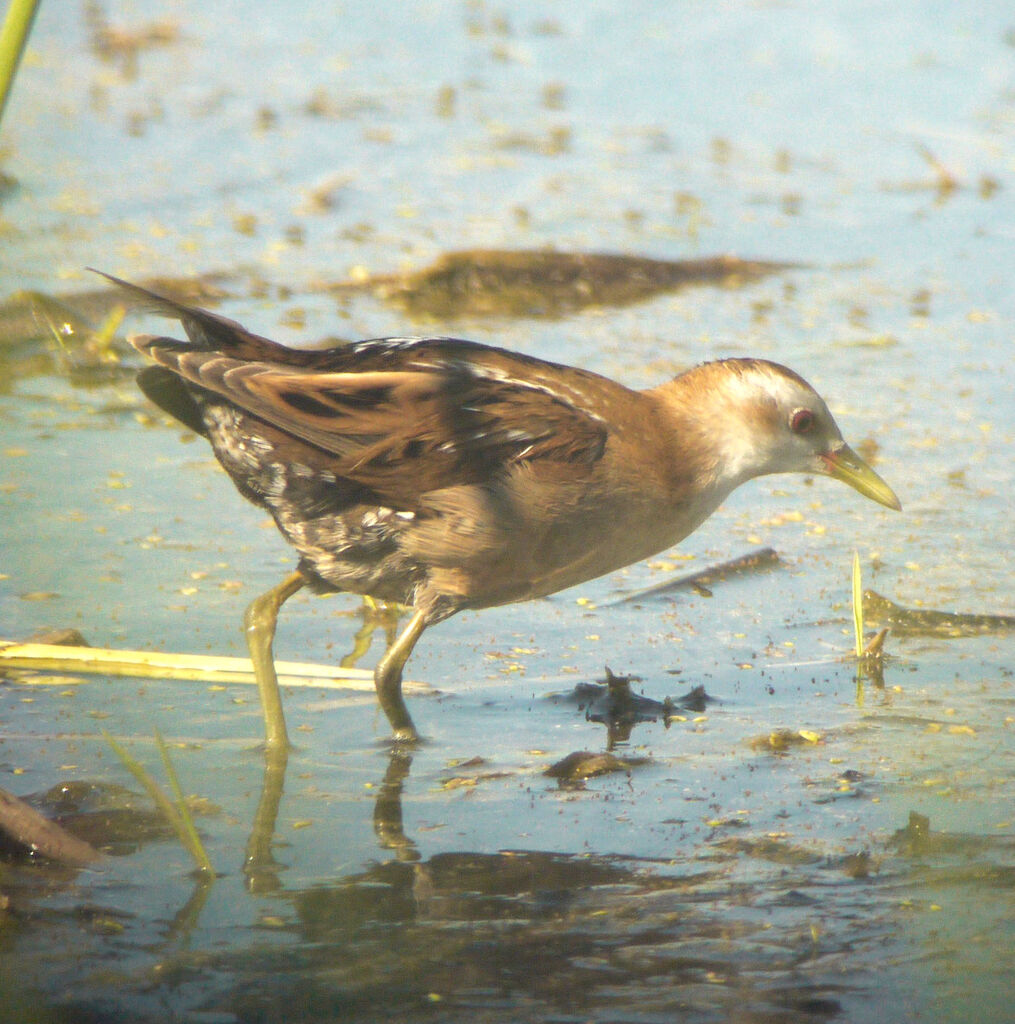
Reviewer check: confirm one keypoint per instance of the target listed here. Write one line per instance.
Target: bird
(446, 474)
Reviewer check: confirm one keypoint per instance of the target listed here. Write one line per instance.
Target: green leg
(388, 679)
(375, 613)
(259, 622)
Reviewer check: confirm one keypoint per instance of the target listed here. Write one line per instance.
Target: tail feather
(204, 329)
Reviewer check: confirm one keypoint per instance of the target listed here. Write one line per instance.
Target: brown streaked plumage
(447, 475)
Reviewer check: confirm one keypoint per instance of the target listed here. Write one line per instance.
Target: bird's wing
(403, 432)
(402, 416)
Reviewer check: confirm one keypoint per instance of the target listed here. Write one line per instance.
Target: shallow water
(870, 147)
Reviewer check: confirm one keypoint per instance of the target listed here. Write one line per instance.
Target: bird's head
(763, 418)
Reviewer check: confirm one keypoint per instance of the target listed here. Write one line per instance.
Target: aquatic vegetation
(13, 36)
(176, 811)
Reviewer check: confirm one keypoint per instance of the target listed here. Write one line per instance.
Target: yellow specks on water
(784, 517)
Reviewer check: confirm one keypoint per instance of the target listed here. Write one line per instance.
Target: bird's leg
(375, 613)
(259, 622)
(388, 679)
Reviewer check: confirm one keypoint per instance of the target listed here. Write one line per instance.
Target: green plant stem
(194, 844)
(857, 605)
(13, 35)
(165, 805)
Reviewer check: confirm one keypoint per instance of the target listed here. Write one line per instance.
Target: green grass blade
(13, 36)
(193, 842)
(857, 605)
(164, 804)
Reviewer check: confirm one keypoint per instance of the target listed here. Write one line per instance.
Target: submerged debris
(583, 764)
(469, 779)
(758, 560)
(917, 839)
(778, 741)
(544, 283)
(927, 622)
(27, 316)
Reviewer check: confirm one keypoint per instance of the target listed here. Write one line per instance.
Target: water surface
(867, 145)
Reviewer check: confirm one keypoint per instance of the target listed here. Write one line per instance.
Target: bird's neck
(714, 434)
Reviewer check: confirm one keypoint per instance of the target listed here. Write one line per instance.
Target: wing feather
(401, 432)
(401, 416)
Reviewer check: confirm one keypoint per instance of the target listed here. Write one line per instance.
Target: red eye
(801, 421)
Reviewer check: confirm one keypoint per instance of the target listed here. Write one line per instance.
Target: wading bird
(445, 474)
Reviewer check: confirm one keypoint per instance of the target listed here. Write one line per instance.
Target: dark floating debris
(612, 702)
(759, 560)
(583, 764)
(926, 622)
(544, 283)
(617, 704)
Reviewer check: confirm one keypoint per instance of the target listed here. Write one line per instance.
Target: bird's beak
(844, 464)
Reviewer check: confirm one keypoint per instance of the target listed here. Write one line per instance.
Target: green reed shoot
(176, 813)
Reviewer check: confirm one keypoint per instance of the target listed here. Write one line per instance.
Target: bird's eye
(801, 421)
